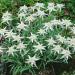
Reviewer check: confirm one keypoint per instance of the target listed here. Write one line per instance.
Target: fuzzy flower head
(39, 47)
(41, 31)
(71, 41)
(21, 46)
(23, 9)
(66, 23)
(10, 34)
(32, 60)
(57, 49)
(55, 22)
(33, 37)
(51, 7)
(6, 17)
(60, 6)
(30, 19)
(11, 50)
(65, 54)
(41, 13)
(17, 38)
(60, 38)
(50, 41)
(22, 26)
(39, 5)
(48, 26)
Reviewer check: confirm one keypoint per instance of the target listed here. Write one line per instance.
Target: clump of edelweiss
(37, 36)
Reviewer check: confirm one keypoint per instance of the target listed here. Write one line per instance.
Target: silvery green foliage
(36, 37)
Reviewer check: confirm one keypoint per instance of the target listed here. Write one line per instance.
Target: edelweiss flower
(71, 41)
(21, 15)
(60, 6)
(21, 46)
(51, 41)
(60, 38)
(41, 13)
(39, 5)
(17, 38)
(51, 7)
(32, 60)
(48, 26)
(23, 9)
(33, 37)
(65, 23)
(11, 50)
(22, 26)
(55, 22)
(39, 47)
(41, 31)
(6, 17)
(10, 34)
(65, 54)
(57, 49)
(30, 19)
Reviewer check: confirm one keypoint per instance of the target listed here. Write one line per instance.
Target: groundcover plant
(35, 37)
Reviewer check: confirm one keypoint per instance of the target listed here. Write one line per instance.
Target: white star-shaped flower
(30, 19)
(65, 54)
(41, 31)
(51, 41)
(32, 60)
(21, 46)
(33, 37)
(55, 22)
(23, 9)
(60, 6)
(10, 34)
(39, 47)
(48, 26)
(51, 7)
(17, 38)
(41, 13)
(22, 26)
(57, 49)
(60, 38)
(39, 5)
(6, 17)
(71, 41)
(66, 23)
(11, 50)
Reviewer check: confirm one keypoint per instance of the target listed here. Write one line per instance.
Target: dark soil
(51, 69)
